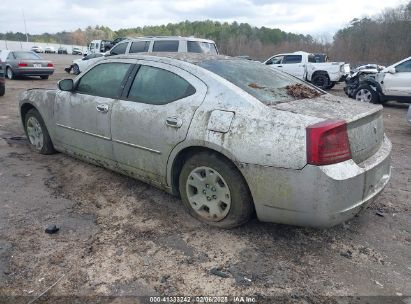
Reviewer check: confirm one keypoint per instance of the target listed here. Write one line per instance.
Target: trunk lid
(364, 121)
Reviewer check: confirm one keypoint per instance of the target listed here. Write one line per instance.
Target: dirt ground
(121, 238)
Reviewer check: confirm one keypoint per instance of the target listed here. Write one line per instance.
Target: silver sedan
(232, 137)
(24, 63)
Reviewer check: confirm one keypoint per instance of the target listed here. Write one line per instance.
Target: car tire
(2, 90)
(321, 80)
(214, 191)
(9, 73)
(365, 93)
(331, 85)
(76, 69)
(44, 77)
(37, 133)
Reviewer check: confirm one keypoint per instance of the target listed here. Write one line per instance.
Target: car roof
(193, 58)
(180, 38)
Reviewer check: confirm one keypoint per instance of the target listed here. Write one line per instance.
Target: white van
(174, 44)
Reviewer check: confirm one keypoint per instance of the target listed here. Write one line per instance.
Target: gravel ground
(121, 238)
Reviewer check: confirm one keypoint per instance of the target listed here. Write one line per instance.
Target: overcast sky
(315, 17)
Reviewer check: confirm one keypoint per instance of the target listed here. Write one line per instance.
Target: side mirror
(269, 62)
(66, 85)
(390, 70)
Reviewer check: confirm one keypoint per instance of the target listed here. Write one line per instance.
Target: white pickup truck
(304, 66)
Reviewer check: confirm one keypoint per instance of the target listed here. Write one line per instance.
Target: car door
(399, 83)
(152, 117)
(83, 116)
(292, 64)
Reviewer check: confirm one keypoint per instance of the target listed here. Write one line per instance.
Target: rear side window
(157, 86)
(139, 47)
(201, 47)
(292, 59)
(103, 80)
(165, 46)
(119, 49)
(312, 59)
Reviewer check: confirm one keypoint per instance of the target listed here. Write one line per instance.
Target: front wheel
(76, 69)
(365, 93)
(214, 191)
(37, 132)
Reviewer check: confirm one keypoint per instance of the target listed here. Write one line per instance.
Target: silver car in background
(25, 63)
(232, 137)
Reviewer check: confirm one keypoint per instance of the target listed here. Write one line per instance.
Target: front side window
(119, 49)
(292, 59)
(165, 46)
(103, 80)
(275, 60)
(404, 67)
(139, 47)
(157, 86)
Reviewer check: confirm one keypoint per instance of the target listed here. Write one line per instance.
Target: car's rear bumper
(33, 71)
(318, 196)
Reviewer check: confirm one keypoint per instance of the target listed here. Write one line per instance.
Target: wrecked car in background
(230, 136)
(81, 64)
(390, 83)
(304, 66)
(357, 75)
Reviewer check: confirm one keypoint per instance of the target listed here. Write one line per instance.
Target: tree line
(382, 39)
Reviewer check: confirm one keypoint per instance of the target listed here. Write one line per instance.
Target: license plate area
(37, 65)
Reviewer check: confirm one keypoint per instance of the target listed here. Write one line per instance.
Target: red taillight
(327, 143)
(22, 64)
(50, 65)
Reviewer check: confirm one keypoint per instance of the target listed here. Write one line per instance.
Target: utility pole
(25, 27)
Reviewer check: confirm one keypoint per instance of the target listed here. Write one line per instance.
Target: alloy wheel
(35, 133)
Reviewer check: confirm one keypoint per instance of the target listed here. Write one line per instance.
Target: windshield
(26, 55)
(264, 83)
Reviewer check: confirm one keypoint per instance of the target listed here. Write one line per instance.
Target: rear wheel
(365, 93)
(44, 77)
(214, 191)
(76, 69)
(9, 73)
(321, 80)
(2, 90)
(37, 132)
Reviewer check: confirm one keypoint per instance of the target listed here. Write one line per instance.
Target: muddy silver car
(232, 137)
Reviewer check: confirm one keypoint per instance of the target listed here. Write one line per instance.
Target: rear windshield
(26, 55)
(201, 47)
(264, 83)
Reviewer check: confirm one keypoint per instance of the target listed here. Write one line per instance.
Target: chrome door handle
(174, 122)
(102, 108)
